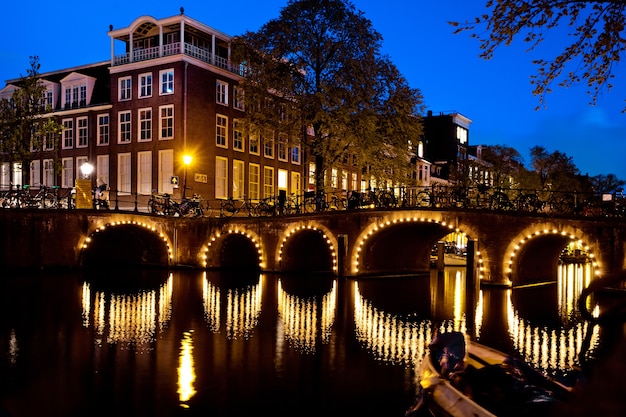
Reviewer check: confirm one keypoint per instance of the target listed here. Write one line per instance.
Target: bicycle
(229, 207)
(265, 208)
(315, 202)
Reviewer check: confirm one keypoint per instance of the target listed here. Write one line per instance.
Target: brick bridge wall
(510, 247)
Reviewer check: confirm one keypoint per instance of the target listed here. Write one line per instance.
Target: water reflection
(242, 302)
(130, 314)
(306, 319)
(186, 370)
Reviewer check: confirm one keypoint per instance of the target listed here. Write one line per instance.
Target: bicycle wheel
(228, 209)
(423, 199)
(49, 201)
(152, 209)
(310, 205)
(263, 209)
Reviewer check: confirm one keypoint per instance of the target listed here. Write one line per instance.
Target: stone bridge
(510, 248)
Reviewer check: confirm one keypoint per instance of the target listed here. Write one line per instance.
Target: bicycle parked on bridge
(163, 204)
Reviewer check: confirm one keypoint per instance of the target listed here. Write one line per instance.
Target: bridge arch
(125, 243)
(307, 247)
(234, 248)
(408, 253)
(533, 255)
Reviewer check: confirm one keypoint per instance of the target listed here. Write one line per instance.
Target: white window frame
(166, 171)
(35, 173)
(295, 155)
(221, 92)
(166, 82)
(169, 117)
(281, 150)
(221, 177)
(67, 172)
(268, 145)
(124, 174)
(125, 88)
(254, 181)
(124, 127)
(238, 179)
(48, 172)
(144, 87)
(221, 131)
(68, 133)
(103, 129)
(144, 124)
(238, 95)
(238, 138)
(268, 182)
(144, 172)
(254, 143)
(82, 127)
(296, 183)
(102, 169)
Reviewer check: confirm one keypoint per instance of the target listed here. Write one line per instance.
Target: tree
(505, 164)
(327, 80)
(26, 124)
(607, 184)
(597, 39)
(556, 171)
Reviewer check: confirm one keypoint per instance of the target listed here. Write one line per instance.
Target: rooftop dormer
(148, 38)
(76, 90)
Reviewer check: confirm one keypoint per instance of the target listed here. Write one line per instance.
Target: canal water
(190, 343)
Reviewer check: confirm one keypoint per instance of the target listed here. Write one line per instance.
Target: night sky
(496, 94)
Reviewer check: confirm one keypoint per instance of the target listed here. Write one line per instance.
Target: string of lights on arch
(374, 228)
(297, 229)
(146, 226)
(253, 237)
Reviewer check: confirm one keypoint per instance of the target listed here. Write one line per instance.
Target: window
(46, 100)
(166, 122)
(102, 169)
(221, 92)
(144, 172)
(167, 81)
(238, 135)
(295, 155)
(268, 145)
(68, 134)
(238, 98)
(344, 179)
(268, 182)
(83, 95)
(221, 177)
(333, 178)
(82, 132)
(295, 183)
(124, 127)
(254, 143)
(67, 173)
(48, 172)
(124, 89)
(80, 160)
(238, 179)
(221, 131)
(48, 141)
(312, 173)
(166, 171)
(123, 173)
(145, 85)
(282, 148)
(253, 181)
(35, 173)
(461, 134)
(283, 179)
(103, 129)
(145, 125)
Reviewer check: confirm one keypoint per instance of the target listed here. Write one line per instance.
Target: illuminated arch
(400, 218)
(86, 241)
(331, 240)
(541, 230)
(253, 237)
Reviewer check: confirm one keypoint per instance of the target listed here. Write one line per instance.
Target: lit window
(167, 81)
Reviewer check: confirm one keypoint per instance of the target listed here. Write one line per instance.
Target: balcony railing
(196, 52)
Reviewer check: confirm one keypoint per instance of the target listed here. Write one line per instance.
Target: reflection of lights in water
(129, 318)
(390, 338)
(243, 307)
(303, 320)
(186, 371)
(572, 279)
(86, 303)
(478, 318)
(13, 348)
(452, 295)
(547, 349)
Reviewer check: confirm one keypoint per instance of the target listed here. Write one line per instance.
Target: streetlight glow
(186, 160)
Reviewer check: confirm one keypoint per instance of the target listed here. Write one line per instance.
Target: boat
(461, 378)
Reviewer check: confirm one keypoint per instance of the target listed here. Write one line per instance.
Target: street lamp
(186, 161)
(86, 169)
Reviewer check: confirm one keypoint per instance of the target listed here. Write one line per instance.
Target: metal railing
(493, 199)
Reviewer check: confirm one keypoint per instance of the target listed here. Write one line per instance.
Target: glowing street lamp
(86, 169)
(186, 160)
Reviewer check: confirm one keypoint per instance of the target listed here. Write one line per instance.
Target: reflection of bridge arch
(234, 248)
(412, 243)
(533, 255)
(125, 243)
(307, 248)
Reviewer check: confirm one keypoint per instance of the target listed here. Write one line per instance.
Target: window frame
(124, 127)
(144, 90)
(125, 88)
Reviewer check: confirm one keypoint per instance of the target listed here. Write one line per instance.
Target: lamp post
(186, 161)
(84, 199)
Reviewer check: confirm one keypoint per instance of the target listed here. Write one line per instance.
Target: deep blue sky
(495, 95)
